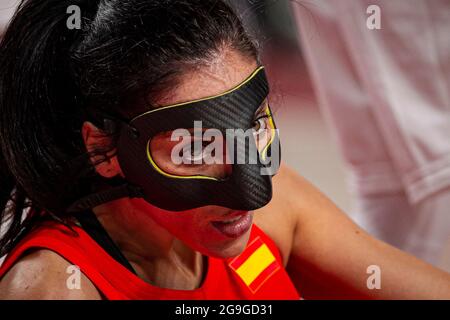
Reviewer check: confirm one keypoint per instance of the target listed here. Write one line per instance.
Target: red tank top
(257, 273)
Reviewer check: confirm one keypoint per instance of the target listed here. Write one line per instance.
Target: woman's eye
(193, 152)
(259, 124)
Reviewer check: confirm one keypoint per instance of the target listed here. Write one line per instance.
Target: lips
(234, 225)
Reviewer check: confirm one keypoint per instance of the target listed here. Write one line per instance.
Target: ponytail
(40, 113)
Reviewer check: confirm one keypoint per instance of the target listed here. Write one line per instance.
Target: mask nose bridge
(237, 123)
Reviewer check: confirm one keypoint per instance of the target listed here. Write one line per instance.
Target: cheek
(194, 228)
(179, 224)
(188, 226)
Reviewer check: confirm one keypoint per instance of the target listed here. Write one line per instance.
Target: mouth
(235, 224)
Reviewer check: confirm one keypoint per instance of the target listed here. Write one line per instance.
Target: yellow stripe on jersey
(255, 264)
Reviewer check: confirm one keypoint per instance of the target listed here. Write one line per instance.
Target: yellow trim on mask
(160, 171)
(272, 124)
(203, 99)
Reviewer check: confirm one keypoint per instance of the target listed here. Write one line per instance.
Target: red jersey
(257, 273)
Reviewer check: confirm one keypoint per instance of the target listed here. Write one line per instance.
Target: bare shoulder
(43, 274)
(277, 219)
(296, 204)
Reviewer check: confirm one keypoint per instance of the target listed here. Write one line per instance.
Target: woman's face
(211, 230)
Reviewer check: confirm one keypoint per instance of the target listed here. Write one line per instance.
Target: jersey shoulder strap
(73, 244)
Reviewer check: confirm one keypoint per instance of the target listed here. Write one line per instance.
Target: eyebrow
(254, 73)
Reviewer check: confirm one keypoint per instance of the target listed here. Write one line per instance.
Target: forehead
(226, 71)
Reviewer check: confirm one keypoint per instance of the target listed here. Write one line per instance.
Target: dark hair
(52, 78)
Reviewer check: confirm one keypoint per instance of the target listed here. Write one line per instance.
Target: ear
(94, 138)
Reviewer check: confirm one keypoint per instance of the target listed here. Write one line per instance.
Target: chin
(230, 249)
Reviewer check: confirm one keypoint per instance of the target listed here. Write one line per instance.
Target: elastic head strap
(115, 193)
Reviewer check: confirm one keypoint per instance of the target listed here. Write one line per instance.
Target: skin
(325, 253)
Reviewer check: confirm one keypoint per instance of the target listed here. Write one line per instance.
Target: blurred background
(7, 8)
(307, 143)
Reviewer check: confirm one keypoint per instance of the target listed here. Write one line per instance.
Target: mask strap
(115, 193)
(109, 124)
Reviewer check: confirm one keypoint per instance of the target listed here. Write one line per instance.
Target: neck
(156, 255)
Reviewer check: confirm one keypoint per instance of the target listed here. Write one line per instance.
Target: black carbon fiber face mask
(146, 147)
